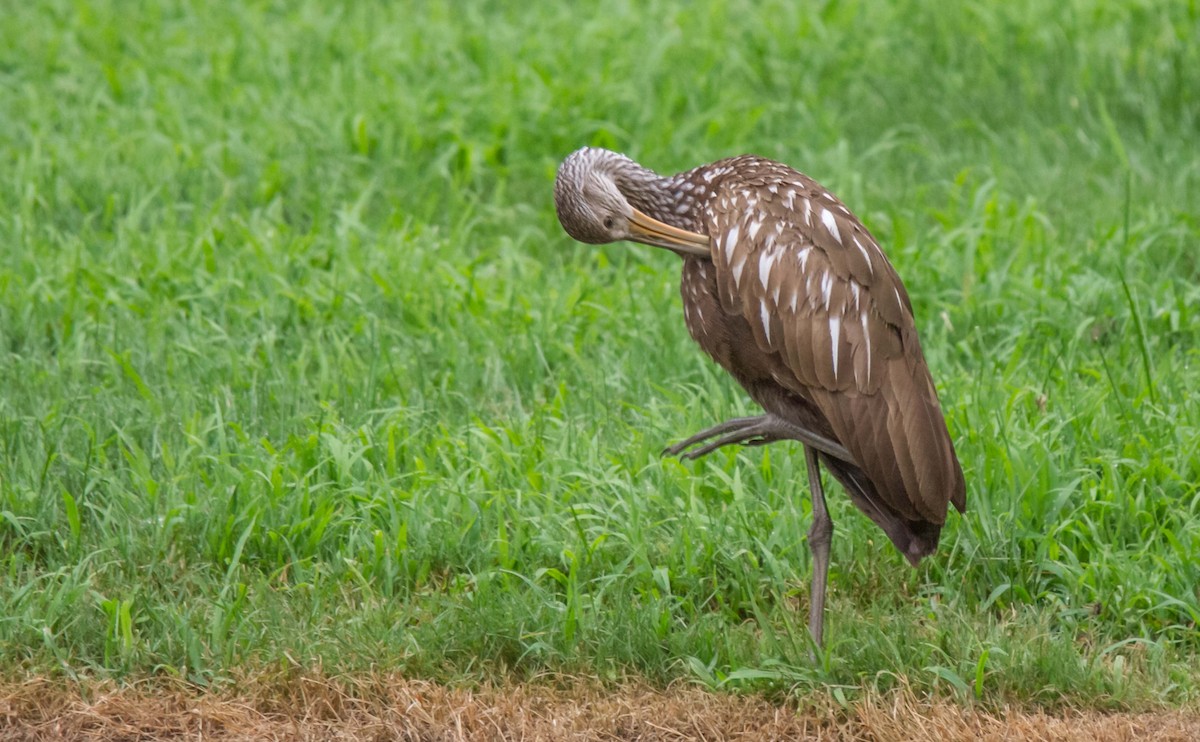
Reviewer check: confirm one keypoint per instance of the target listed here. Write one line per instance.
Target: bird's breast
(722, 332)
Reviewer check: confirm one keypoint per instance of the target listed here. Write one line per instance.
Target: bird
(787, 291)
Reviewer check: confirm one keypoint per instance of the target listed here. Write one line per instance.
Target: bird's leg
(820, 536)
(734, 427)
(756, 431)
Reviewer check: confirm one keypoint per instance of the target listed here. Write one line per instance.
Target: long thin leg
(820, 536)
(757, 431)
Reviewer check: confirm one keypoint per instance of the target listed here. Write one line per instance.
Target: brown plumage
(787, 291)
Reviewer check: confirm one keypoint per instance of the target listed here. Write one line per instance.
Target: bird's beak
(653, 232)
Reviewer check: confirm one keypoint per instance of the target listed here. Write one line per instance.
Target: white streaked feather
(738, 267)
(766, 263)
(830, 222)
(865, 254)
(835, 333)
(731, 238)
(755, 225)
(789, 199)
(866, 344)
(802, 258)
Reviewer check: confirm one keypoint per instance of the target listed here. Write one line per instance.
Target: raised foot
(755, 431)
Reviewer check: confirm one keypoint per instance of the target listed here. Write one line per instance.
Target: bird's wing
(818, 292)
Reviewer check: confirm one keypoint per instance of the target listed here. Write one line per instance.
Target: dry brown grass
(393, 708)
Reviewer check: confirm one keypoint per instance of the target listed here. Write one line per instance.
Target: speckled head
(593, 206)
(590, 206)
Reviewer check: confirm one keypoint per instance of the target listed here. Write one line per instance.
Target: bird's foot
(755, 431)
(738, 430)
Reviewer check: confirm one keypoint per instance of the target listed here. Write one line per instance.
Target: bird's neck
(664, 199)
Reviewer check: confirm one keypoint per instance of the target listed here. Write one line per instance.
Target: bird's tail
(914, 538)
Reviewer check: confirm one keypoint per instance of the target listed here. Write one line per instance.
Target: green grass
(298, 367)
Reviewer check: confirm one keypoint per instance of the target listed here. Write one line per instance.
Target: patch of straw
(394, 708)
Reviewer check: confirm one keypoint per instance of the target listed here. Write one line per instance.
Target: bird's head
(592, 207)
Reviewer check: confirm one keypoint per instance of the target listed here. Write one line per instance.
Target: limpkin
(788, 292)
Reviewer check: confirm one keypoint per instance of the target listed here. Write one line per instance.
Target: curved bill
(660, 234)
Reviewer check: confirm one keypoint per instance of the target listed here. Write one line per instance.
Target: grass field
(299, 370)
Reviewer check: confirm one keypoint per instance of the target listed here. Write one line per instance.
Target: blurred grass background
(299, 370)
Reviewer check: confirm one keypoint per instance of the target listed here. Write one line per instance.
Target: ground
(389, 707)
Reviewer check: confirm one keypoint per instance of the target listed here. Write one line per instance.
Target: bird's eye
(608, 222)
